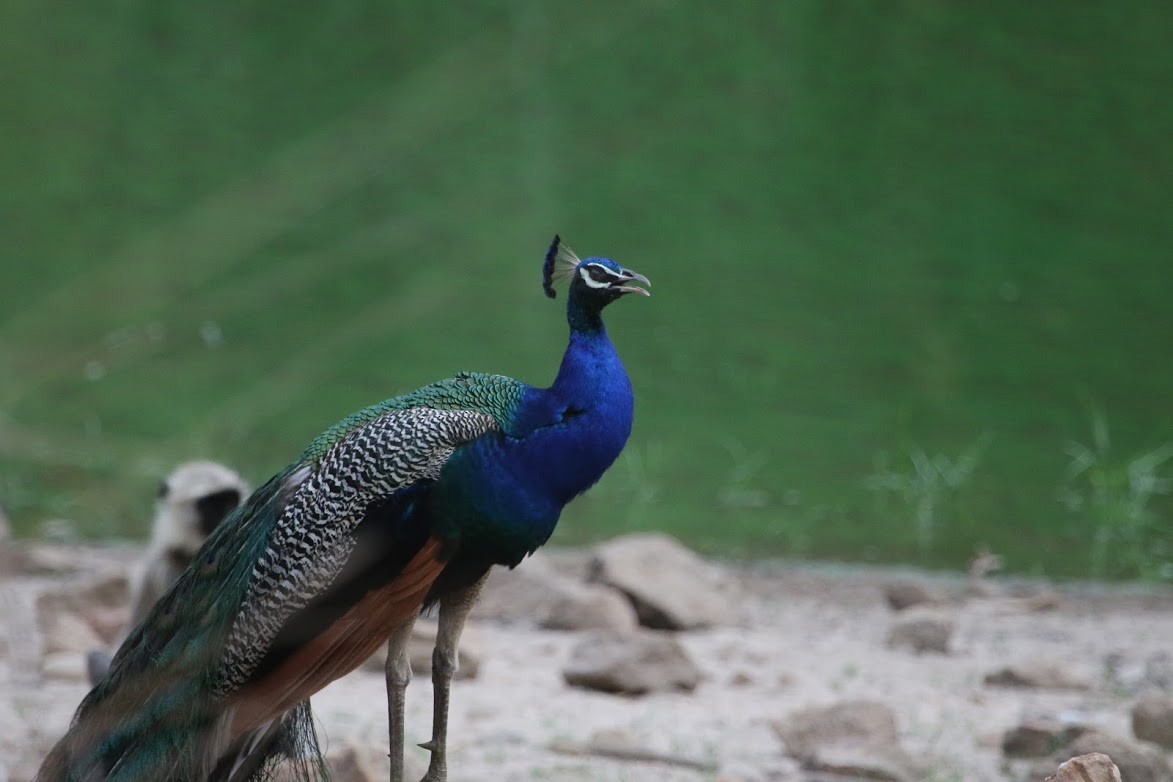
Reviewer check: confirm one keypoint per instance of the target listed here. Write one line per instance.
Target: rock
(1093, 767)
(588, 607)
(64, 665)
(1137, 763)
(853, 739)
(65, 631)
(1152, 720)
(741, 679)
(524, 594)
(850, 760)
(84, 616)
(367, 763)
(906, 594)
(670, 586)
(631, 663)
(804, 731)
(1037, 739)
(1041, 674)
(40, 559)
(423, 642)
(922, 630)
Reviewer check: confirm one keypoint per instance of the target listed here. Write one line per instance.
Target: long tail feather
(156, 715)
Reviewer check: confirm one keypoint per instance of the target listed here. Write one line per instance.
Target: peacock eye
(599, 274)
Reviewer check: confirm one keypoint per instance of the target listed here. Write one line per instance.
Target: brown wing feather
(341, 647)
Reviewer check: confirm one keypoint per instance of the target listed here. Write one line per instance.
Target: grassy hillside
(874, 232)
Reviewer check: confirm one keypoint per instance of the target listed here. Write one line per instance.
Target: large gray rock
(1042, 674)
(631, 663)
(853, 739)
(670, 586)
(1152, 720)
(922, 629)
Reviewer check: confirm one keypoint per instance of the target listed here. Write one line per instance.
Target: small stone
(589, 607)
(852, 739)
(804, 731)
(906, 594)
(1041, 674)
(631, 663)
(1037, 739)
(922, 630)
(1152, 720)
(1093, 767)
(741, 679)
(863, 761)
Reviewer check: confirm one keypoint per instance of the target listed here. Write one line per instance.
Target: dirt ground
(805, 635)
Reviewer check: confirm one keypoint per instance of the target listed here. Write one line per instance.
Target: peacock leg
(454, 609)
(398, 672)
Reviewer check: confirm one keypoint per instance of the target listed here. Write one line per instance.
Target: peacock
(399, 507)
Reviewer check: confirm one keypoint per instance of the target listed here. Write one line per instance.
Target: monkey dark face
(212, 509)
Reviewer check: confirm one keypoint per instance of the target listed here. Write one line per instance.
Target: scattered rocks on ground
(1041, 674)
(631, 663)
(1038, 738)
(1093, 767)
(1152, 720)
(922, 629)
(588, 607)
(670, 586)
(906, 593)
(854, 739)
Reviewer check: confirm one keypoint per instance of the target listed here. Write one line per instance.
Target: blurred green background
(911, 259)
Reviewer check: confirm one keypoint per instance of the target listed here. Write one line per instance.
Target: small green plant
(931, 483)
(1116, 497)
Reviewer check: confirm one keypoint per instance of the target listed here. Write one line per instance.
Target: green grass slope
(873, 230)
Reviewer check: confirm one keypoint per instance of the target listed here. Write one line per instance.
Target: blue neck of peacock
(590, 366)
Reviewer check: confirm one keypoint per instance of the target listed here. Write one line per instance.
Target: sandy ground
(805, 635)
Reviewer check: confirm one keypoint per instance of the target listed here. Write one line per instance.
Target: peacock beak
(629, 275)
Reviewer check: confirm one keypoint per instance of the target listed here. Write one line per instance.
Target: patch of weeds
(1115, 496)
(927, 487)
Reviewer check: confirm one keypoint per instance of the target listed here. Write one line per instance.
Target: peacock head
(597, 280)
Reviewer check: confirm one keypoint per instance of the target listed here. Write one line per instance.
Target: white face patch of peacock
(597, 276)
